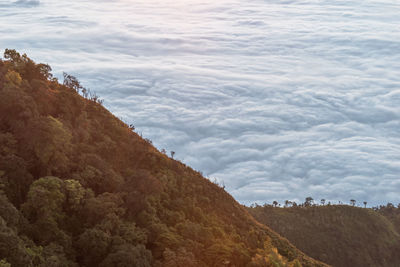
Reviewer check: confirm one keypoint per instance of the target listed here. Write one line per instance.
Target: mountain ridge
(78, 187)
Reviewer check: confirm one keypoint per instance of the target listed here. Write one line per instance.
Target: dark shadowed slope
(339, 235)
(80, 188)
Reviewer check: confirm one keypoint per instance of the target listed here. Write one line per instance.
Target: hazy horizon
(277, 99)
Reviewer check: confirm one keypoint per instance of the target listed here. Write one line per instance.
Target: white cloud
(279, 99)
(28, 2)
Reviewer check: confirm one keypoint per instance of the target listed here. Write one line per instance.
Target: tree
(27, 67)
(93, 246)
(275, 203)
(127, 255)
(288, 203)
(323, 202)
(353, 202)
(45, 70)
(54, 255)
(72, 82)
(13, 78)
(180, 258)
(12, 247)
(74, 193)
(172, 154)
(309, 201)
(12, 55)
(365, 204)
(389, 207)
(44, 209)
(94, 97)
(4, 263)
(45, 198)
(50, 140)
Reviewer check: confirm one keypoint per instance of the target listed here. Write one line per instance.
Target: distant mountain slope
(339, 235)
(78, 187)
(392, 213)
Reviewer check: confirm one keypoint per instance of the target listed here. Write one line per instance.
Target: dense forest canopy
(78, 187)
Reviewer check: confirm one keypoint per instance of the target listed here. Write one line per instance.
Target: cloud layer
(278, 99)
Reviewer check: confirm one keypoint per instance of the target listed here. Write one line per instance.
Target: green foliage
(4, 263)
(127, 256)
(180, 258)
(93, 246)
(74, 193)
(9, 213)
(45, 198)
(50, 142)
(13, 248)
(14, 176)
(44, 210)
(54, 255)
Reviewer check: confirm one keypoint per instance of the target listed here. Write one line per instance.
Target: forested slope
(78, 187)
(340, 235)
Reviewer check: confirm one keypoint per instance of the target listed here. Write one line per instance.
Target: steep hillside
(392, 213)
(78, 187)
(339, 235)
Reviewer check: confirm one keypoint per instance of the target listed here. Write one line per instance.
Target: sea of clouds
(277, 99)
